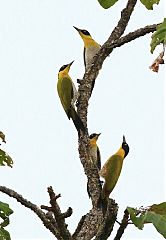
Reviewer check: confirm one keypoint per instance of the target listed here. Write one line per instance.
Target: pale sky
(36, 39)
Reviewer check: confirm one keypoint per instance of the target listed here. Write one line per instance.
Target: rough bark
(96, 223)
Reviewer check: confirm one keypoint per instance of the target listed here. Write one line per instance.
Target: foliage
(5, 158)
(107, 3)
(155, 214)
(147, 3)
(5, 211)
(159, 36)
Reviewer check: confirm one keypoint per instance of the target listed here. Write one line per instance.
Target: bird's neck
(63, 75)
(92, 142)
(120, 152)
(88, 42)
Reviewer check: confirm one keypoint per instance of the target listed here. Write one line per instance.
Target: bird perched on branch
(94, 149)
(112, 169)
(68, 95)
(91, 48)
(2, 136)
(94, 152)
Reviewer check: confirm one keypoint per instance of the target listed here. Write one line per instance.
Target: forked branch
(53, 220)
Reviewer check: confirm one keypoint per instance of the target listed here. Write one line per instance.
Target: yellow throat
(88, 41)
(120, 152)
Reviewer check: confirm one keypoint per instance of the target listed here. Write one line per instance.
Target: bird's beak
(124, 140)
(70, 63)
(97, 135)
(68, 67)
(77, 29)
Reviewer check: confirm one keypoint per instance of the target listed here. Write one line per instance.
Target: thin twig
(62, 226)
(49, 209)
(123, 225)
(47, 223)
(79, 227)
(118, 222)
(131, 36)
(68, 213)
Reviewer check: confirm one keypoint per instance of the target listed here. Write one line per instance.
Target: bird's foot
(77, 103)
(101, 182)
(79, 81)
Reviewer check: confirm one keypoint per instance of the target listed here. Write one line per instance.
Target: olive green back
(113, 166)
(65, 92)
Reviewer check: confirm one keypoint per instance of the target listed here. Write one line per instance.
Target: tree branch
(47, 223)
(84, 94)
(89, 225)
(78, 229)
(131, 36)
(58, 215)
(93, 224)
(107, 225)
(85, 88)
(123, 225)
(123, 22)
(68, 213)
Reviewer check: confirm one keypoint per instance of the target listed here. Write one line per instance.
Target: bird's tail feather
(105, 192)
(77, 121)
(104, 198)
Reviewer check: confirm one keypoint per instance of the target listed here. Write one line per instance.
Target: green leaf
(107, 3)
(159, 222)
(155, 214)
(5, 211)
(4, 207)
(5, 222)
(5, 158)
(159, 36)
(137, 220)
(149, 3)
(4, 235)
(158, 208)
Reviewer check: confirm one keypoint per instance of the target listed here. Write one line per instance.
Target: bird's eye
(85, 32)
(92, 136)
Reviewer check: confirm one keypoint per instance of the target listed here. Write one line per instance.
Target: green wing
(65, 92)
(114, 167)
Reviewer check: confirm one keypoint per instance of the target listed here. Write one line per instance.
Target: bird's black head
(66, 66)
(94, 135)
(63, 67)
(85, 32)
(125, 146)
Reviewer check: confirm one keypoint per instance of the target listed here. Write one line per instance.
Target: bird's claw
(79, 81)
